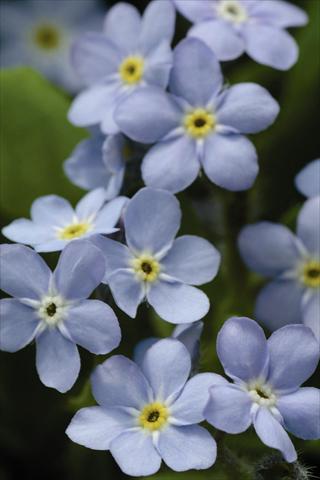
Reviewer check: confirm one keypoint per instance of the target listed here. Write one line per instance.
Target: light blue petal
(93, 325)
(51, 210)
(189, 334)
(119, 382)
(242, 349)
(279, 303)
(247, 107)
(300, 412)
(307, 181)
(294, 355)
(79, 271)
(51, 246)
(127, 291)
(192, 260)
(230, 161)
(24, 274)
(228, 408)
(268, 248)
(189, 406)
(195, 10)
(188, 447)
(167, 365)
(172, 165)
(26, 231)
(57, 360)
(196, 75)
(148, 114)
(177, 302)
(308, 225)
(158, 24)
(141, 349)
(96, 427)
(311, 311)
(218, 35)
(122, 26)
(272, 434)
(280, 13)
(144, 223)
(135, 453)
(18, 325)
(117, 256)
(158, 65)
(90, 204)
(270, 46)
(109, 215)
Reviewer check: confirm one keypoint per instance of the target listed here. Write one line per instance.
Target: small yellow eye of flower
(311, 274)
(74, 230)
(47, 37)
(146, 268)
(232, 10)
(131, 70)
(154, 416)
(199, 123)
(262, 394)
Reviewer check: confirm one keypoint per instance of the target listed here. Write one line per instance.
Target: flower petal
(158, 65)
(119, 382)
(230, 161)
(308, 225)
(189, 334)
(311, 312)
(279, 13)
(127, 291)
(176, 302)
(109, 215)
(272, 434)
(18, 325)
(26, 231)
(90, 204)
(195, 10)
(141, 349)
(51, 210)
(188, 447)
(242, 349)
(196, 74)
(158, 24)
(23, 272)
(122, 26)
(57, 360)
(294, 355)
(307, 181)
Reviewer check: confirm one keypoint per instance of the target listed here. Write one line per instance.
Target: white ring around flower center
(232, 10)
(261, 393)
(52, 309)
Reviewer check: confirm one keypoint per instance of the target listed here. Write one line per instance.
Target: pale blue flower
(156, 267)
(149, 414)
(293, 262)
(200, 125)
(53, 310)
(257, 27)
(133, 52)
(267, 376)
(308, 180)
(54, 223)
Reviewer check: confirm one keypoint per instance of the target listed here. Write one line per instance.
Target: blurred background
(37, 85)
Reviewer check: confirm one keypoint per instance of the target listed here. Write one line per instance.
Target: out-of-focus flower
(199, 125)
(266, 392)
(54, 223)
(156, 267)
(53, 309)
(39, 33)
(133, 52)
(232, 27)
(150, 414)
(308, 180)
(293, 296)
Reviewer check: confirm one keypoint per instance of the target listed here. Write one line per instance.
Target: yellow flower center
(47, 37)
(131, 70)
(199, 123)
(232, 10)
(311, 274)
(146, 268)
(74, 230)
(154, 416)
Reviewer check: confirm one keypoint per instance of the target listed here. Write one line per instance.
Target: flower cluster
(150, 409)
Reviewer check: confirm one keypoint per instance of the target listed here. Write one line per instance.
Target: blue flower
(232, 27)
(54, 223)
(156, 267)
(186, 333)
(149, 414)
(39, 34)
(293, 296)
(199, 125)
(308, 180)
(52, 309)
(131, 53)
(266, 392)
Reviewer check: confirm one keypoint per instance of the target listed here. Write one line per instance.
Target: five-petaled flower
(53, 309)
(266, 392)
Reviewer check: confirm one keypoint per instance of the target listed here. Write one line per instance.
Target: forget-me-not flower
(149, 414)
(133, 52)
(293, 262)
(39, 33)
(52, 309)
(199, 125)
(156, 267)
(267, 376)
(308, 180)
(257, 27)
(54, 223)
